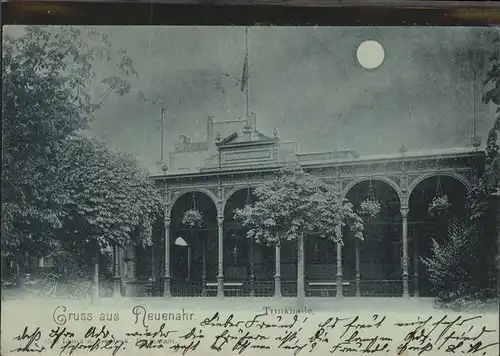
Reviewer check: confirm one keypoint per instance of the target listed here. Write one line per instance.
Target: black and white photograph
(287, 170)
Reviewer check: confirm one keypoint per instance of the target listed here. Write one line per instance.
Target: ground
(366, 326)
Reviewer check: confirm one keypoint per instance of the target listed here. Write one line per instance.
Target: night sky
(306, 82)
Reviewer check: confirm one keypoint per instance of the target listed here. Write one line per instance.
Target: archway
(246, 261)
(193, 247)
(379, 255)
(423, 227)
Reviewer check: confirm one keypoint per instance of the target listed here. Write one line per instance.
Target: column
(340, 293)
(277, 275)
(120, 261)
(415, 266)
(300, 271)
(204, 271)
(404, 216)
(166, 280)
(154, 266)
(252, 268)
(358, 275)
(124, 263)
(116, 267)
(220, 274)
(153, 262)
(130, 262)
(95, 278)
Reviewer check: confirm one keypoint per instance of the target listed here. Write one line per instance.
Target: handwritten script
(297, 334)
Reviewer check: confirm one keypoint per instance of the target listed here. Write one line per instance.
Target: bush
(455, 269)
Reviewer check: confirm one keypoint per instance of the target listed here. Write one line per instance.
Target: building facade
(218, 175)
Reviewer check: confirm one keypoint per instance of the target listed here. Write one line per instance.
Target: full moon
(370, 54)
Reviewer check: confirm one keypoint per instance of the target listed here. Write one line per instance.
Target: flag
(244, 76)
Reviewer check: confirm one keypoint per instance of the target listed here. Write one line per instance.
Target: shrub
(455, 268)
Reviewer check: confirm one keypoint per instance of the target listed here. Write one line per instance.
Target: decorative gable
(247, 148)
(245, 139)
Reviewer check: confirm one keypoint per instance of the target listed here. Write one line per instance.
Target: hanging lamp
(193, 217)
(370, 207)
(440, 201)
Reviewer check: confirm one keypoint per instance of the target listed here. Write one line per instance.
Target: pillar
(220, 274)
(340, 293)
(153, 262)
(415, 266)
(204, 271)
(300, 271)
(116, 266)
(95, 278)
(404, 216)
(124, 263)
(130, 263)
(252, 268)
(167, 279)
(120, 261)
(358, 274)
(277, 275)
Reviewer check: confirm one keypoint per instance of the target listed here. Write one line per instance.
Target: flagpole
(248, 71)
(473, 99)
(162, 134)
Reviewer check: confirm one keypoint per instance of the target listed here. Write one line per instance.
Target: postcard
(191, 190)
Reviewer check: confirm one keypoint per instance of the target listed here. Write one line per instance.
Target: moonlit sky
(302, 79)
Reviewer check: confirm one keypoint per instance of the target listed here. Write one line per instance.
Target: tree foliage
(47, 77)
(492, 80)
(455, 267)
(483, 197)
(464, 265)
(293, 205)
(111, 201)
(492, 96)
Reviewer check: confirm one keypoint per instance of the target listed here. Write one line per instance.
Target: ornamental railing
(186, 289)
(367, 288)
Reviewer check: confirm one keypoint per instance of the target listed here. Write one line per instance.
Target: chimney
(253, 121)
(210, 129)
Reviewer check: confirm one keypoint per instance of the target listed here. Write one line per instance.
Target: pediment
(245, 138)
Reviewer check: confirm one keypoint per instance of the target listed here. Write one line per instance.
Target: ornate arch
(461, 178)
(390, 182)
(232, 191)
(328, 187)
(179, 193)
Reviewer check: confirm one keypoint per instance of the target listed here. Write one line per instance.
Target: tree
(47, 75)
(483, 198)
(491, 176)
(293, 206)
(469, 258)
(455, 266)
(111, 202)
(492, 96)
